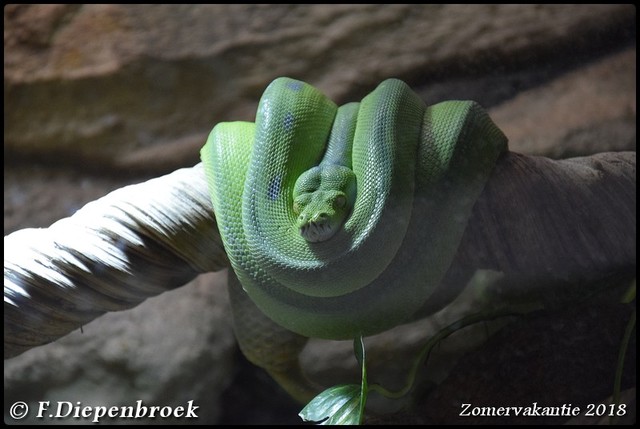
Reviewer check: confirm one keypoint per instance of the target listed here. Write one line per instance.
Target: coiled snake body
(340, 222)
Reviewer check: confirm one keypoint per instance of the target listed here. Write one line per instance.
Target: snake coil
(340, 222)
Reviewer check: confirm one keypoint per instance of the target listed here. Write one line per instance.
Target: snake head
(322, 200)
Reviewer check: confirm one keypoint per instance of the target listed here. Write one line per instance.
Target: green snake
(341, 221)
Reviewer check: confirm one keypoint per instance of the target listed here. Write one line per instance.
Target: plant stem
(426, 351)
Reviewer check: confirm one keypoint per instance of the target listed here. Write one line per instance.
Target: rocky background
(99, 96)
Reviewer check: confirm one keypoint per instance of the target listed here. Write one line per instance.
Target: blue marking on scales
(275, 185)
(295, 85)
(288, 121)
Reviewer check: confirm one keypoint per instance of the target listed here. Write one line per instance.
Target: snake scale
(341, 221)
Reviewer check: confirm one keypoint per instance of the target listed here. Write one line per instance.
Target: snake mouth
(315, 232)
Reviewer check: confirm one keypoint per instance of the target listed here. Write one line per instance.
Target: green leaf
(343, 404)
(338, 405)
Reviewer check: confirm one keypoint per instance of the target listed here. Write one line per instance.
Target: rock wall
(139, 87)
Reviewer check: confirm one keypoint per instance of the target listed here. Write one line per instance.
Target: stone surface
(169, 350)
(139, 87)
(98, 96)
(552, 358)
(588, 110)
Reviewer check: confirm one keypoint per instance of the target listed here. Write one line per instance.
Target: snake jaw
(315, 231)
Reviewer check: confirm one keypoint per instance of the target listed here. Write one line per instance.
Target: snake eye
(296, 208)
(340, 201)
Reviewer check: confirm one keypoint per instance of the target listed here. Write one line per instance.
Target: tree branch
(559, 221)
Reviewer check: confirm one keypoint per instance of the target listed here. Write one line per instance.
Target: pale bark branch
(569, 221)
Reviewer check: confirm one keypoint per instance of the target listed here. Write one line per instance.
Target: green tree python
(341, 221)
